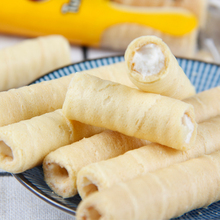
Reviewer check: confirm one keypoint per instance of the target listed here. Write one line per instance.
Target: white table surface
(17, 202)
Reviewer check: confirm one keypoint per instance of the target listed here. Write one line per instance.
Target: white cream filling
(187, 121)
(148, 60)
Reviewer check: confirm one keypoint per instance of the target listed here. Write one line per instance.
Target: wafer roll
(30, 101)
(163, 194)
(153, 68)
(26, 61)
(24, 145)
(129, 111)
(206, 104)
(61, 166)
(138, 162)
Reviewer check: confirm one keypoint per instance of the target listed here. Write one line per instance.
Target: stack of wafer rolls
(152, 67)
(26, 61)
(77, 155)
(162, 194)
(23, 145)
(30, 101)
(62, 165)
(129, 111)
(37, 99)
(138, 162)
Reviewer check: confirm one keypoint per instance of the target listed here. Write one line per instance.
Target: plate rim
(40, 194)
(122, 55)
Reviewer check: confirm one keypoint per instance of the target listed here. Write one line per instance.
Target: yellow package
(98, 23)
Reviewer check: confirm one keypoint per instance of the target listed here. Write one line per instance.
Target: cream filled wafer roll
(153, 68)
(24, 145)
(26, 61)
(30, 101)
(138, 162)
(206, 104)
(163, 194)
(130, 111)
(61, 166)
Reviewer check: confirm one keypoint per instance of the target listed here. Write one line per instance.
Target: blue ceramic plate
(203, 75)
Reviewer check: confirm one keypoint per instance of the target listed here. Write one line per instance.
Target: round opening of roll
(91, 213)
(148, 60)
(6, 153)
(57, 177)
(186, 120)
(88, 187)
(59, 173)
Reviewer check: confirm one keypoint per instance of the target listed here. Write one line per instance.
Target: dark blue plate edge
(117, 56)
(27, 184)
